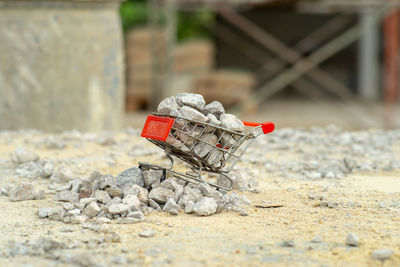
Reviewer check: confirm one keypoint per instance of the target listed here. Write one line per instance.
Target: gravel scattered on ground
(352, 240)
(329, 183)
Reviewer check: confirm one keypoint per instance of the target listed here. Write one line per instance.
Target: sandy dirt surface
(364, 203)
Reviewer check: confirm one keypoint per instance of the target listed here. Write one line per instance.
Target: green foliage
(189, 24)
(133, 13)
(194, 24)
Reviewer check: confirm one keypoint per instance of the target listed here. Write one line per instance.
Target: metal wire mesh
(205, 146)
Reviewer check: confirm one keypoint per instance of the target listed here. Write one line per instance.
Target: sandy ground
(368, 207)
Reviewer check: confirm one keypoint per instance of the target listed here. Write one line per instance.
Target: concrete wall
(61, 65)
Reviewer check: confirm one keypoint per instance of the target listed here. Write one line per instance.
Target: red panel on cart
(157, 127)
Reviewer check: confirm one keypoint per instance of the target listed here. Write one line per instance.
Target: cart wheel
(143, 166)
(164, 175)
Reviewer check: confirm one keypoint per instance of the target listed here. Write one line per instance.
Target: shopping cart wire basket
(205, 147)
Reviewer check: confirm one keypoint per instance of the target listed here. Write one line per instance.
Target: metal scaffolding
(324, 42)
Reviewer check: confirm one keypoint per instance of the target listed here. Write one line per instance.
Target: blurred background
(106, 64)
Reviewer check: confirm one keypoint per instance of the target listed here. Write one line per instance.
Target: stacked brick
(192, 68)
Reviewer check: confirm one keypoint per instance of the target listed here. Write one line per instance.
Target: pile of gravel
(193, 107)
(324, 152)
(130, 196)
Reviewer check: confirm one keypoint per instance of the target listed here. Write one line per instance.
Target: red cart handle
(267, 127)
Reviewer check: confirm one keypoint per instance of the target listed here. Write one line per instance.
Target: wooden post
(391, 82)
(170, 38)
(368, 63)
(391, 67)
(155, 9)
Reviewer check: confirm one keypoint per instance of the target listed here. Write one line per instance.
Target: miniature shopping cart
(207, 148)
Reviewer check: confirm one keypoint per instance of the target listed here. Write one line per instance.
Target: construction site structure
(295, 65)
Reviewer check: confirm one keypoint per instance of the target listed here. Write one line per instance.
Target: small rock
(191, 194)
(46, 244)
(231, 122)
(91, 210)
(382, 254)
(55, 214)
(215, 108)
(87, 200)
(119, 260)
(23, 155)
(188, 137)
(205, 207)
(160, 194)
(352, 240)
(67, 196)
(107, 181)
(132, 202)
(151, 177)
(66, 229)
(115, 191)
(40, 195)
(193, 114)
(229, 140)
(74, 212)
(29, 170)
(68, 206)
(130, 176)
(215, 157)
(171, 207)
(242, 211)
(314, 175)
(147, 233)
(21, 192)
(329, 175)
(75, 185)
(332, 204)
(176, 143)
(288, 243)
(118, 208)
(189, 207)
(189, 99)
(48, 170)
(138, 215)
(85, 192)
(169, 184)
(213, 121)
(80, 206)
(208, 190)
(168, 106)
(317, 239)
(63, 187)
(178, 192)
(79, 219)
(140, 192)
(64, 175)
(154, 204)
(349, 163)
(115, 200)
(4, 190)
(45, 212)
(207, 143)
